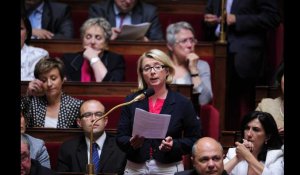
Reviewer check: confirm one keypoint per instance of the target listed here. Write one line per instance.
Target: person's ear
(170, 47)
(106, 121)
(78, 121)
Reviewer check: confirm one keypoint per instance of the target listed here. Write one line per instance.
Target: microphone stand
(222, 25)
(90, 166)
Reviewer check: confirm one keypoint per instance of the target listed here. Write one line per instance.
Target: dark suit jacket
(247, 38)
(38, 169)
(56, 18)
(73, 156)
(194, 172)
(114, 63)
(142, 12)
(183, 120)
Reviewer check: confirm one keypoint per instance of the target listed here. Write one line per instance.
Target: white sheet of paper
(133, 31)
(150, 125)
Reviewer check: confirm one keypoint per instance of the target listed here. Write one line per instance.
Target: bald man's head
(208, 156)
(90, 111)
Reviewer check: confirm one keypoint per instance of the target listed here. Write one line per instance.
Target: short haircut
(46, 64)
(100, 22)
(157, 55)
(174, 28)
(194, 148)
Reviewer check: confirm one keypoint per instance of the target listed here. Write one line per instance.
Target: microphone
(146, 93)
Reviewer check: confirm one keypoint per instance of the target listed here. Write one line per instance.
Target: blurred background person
(247, 24)
(189, 68)
(158, 156)
(30, 166)
(260, 149)
(38, 150)
(49, 20)
(29, 55)
(119, 12)
(207, 158)
(45, 105)
(95, 62)
(74, 154)
(275, 106)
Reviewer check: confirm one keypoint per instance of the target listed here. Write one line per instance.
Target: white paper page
(133, 31)
(150, 125)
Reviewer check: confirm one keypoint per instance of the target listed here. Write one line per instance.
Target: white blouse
(29, 57)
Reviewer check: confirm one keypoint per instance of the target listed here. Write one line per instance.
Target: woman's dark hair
(270, 127)
(27, 25)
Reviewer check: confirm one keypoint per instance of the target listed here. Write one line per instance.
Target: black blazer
(142, 12)
(183, 120)
(57, 19)
(38, 169)
(73, 156)
(247, 38)
(114, 63)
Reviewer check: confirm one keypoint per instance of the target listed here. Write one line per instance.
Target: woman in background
(260, 151)
(95, 62)
(45, 105)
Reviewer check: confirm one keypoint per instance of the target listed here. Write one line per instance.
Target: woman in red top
(158, 156)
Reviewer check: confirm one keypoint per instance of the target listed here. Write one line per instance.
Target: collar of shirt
(127, 18)
(99, 141)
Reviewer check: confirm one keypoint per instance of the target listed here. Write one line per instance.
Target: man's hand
(42, 34)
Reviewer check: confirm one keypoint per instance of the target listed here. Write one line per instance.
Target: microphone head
(149, 92)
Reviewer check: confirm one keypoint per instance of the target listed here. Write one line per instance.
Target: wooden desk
(108, 89)
(203, 49)
(170, 6)
(58, 135)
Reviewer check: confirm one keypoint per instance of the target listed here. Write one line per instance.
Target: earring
(266, 142)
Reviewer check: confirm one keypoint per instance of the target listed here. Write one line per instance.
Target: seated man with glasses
(189, 68)
(30, 166)
(74, 154)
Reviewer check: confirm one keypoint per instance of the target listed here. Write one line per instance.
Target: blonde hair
(157, 55)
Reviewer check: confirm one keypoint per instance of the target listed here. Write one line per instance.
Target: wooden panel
(107, 89)
(266, 92)
(171, 6)
(121, 47)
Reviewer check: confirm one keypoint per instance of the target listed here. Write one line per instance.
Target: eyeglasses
(186, 40)
(24, 157)
(90, 114)
(156, 68)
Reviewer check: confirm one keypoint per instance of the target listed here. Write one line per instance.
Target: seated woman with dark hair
(45, 105)
(260, 150)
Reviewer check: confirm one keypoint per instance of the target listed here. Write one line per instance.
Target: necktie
(96, 159)
(122, 16)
